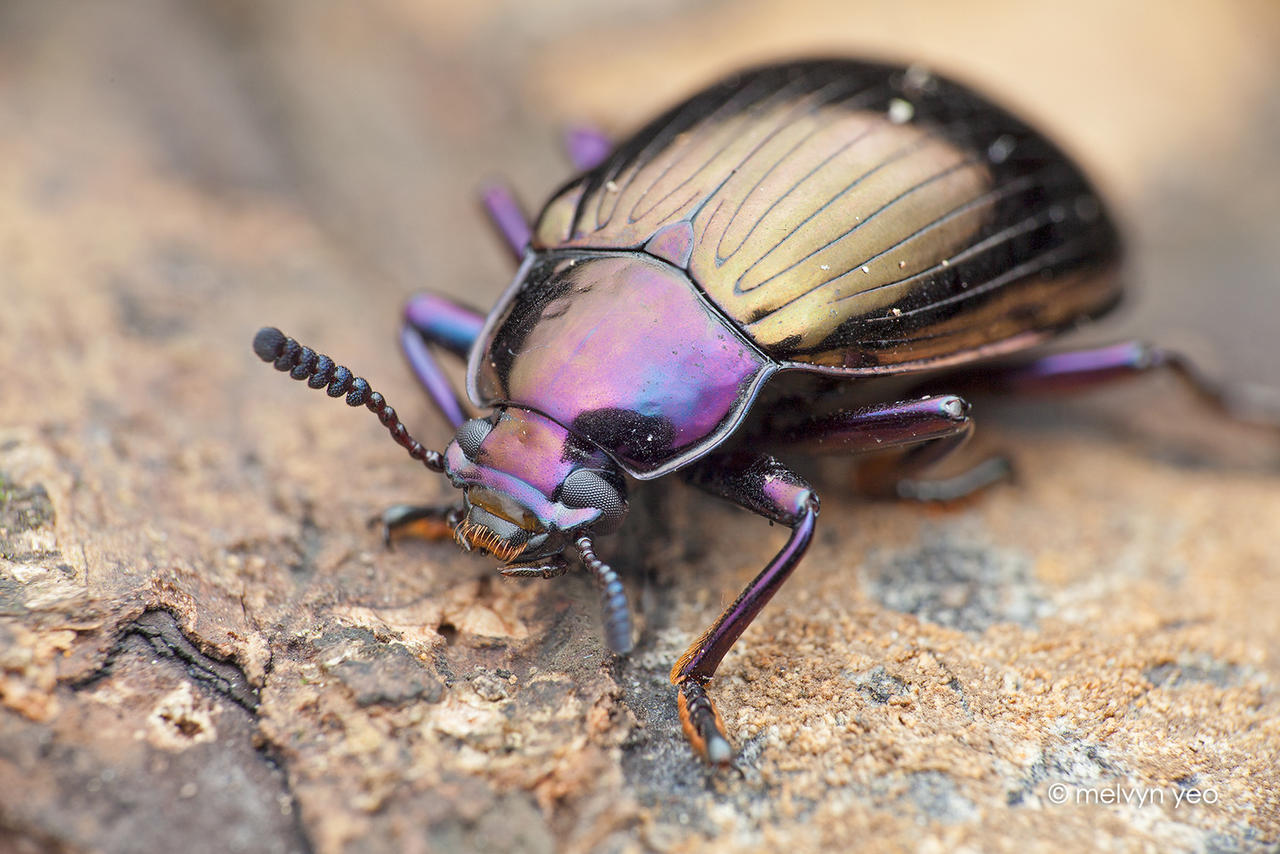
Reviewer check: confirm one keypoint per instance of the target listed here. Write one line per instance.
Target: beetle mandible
(834, 219)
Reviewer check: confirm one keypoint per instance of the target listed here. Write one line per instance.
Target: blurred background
(176, 173)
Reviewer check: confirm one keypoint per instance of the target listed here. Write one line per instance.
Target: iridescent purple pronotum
(732, 282)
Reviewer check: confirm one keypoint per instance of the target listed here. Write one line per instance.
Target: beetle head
(530, 487)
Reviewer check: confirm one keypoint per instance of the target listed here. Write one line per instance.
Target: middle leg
(763, 485)
(917, 434)
(431, 320)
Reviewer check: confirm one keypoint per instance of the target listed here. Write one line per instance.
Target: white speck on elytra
(866, 269)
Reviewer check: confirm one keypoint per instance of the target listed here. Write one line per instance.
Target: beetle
(739, 279)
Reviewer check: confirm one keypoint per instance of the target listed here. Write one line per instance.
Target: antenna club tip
(267, 343)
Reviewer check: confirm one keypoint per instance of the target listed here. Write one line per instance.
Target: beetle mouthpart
(471, 535)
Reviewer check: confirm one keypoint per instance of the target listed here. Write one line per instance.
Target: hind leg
(1079, 370)
(586, 146)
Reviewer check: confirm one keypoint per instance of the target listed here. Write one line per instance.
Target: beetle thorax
(529, 486)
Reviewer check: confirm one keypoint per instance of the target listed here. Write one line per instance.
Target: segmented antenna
(613, 598)
(319, 371)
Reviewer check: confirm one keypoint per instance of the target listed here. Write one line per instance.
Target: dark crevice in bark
(159, 629)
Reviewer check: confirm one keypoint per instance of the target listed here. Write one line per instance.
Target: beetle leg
(587, 146)
(439, 522)
(924, 431)
(434, 320)
(1078, 370)
(507, 217)
(545, 568)
(761, 484)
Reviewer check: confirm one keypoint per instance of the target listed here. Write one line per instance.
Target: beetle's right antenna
(319, 371)
(613, 598)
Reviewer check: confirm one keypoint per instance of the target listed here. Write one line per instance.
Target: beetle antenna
(613, 597)
(319, 371)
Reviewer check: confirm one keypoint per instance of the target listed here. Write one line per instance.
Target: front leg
(431, 522)
(434, 321)
(431, 320)
(763, 485)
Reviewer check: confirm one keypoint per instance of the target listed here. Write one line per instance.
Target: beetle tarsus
(539, 569)
(1247, 402)
(703, 726)
(981, 476)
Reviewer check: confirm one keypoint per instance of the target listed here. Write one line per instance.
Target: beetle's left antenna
(319, 371)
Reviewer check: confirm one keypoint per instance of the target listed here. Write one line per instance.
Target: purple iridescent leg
(507, 217)
(431, 320)
(923, 431)
(762, 484)
(587, 146)
(1079, 370)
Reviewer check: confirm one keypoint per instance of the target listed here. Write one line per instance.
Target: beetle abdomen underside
(855, 217)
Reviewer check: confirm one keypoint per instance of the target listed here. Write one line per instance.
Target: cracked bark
(203, 647)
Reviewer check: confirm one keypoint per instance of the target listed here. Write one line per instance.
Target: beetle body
(835, 217)
(840, 219)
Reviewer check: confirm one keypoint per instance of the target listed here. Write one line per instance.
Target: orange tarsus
(690, 731)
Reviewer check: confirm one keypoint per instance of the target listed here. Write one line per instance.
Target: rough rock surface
(203, 647)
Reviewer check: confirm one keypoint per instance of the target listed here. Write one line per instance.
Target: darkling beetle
(818, 224)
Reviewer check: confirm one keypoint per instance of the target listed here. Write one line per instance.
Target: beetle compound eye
(587, 488)
(471, 434)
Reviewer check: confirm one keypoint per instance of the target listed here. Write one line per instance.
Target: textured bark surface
(203, 646)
